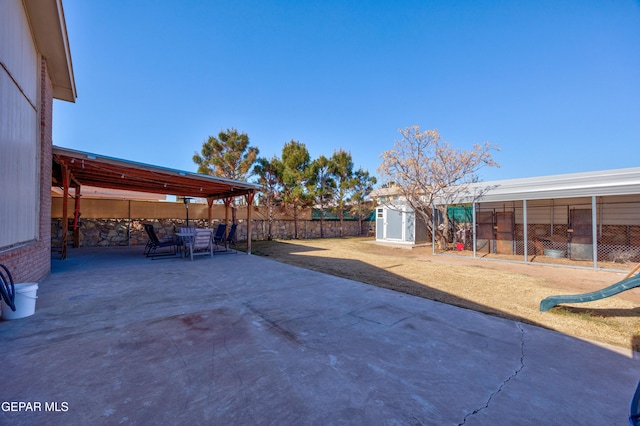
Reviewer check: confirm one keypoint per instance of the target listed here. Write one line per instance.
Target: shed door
(394, 225)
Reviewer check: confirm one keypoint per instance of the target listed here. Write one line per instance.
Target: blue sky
(555, 84)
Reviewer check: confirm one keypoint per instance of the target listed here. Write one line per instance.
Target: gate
(505, 228)
(580, 234)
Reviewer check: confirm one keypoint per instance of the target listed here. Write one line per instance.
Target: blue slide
(634, 412)
(612, 290)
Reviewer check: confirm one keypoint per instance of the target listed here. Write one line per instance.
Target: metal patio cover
(107, 172)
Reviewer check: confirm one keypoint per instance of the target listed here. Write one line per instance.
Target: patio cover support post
(525, 233)
(474, 229)
(65, 210)
(227, 203)
(210, 204)
(76, 218)
(594, 230)
(129, 224)
(249, 199)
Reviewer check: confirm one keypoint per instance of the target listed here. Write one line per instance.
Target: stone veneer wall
(124, 232)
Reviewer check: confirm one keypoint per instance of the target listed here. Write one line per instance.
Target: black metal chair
(218, 237)
(154, 243)
(228, 241)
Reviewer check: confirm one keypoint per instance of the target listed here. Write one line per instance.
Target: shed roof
(108, 172)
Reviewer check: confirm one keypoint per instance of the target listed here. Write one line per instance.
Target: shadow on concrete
(383, 277)
(379, 277)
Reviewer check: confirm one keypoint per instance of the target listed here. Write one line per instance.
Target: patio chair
(228, 241)
(154, 243)
(219, 235)
(201, 243)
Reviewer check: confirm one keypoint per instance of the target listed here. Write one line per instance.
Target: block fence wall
(125, 232)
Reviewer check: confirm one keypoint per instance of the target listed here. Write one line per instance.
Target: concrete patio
(238, 340)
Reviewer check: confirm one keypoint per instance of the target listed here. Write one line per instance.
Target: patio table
(186, 237)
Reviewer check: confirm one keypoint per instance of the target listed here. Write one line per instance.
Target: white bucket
(25, 301)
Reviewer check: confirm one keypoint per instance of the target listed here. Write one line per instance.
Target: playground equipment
(629, 282)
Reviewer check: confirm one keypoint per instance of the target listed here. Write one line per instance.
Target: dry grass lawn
(508, 290)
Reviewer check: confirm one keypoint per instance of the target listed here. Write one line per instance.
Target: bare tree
(427, 173)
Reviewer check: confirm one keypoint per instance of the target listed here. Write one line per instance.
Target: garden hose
(7, 289)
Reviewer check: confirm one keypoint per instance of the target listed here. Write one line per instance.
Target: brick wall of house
(31, 262)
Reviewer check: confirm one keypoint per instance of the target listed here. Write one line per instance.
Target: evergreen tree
(342, 170)
(322, 186)
(295, 162)
(269, 173)
(228, 155)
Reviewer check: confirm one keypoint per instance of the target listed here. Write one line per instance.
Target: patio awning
(73, 169)
(106, 172)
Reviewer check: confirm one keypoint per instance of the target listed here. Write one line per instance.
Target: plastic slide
(634, 412)
(619, 287)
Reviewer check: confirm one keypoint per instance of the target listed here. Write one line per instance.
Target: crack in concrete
(504, 383)
(275, 325)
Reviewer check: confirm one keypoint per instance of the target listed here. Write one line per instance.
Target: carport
(73, 169)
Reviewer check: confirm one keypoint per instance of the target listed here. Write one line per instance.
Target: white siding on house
(19, 139)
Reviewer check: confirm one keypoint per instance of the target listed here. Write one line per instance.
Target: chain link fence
(560, 231)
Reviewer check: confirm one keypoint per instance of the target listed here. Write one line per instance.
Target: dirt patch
(509, 290)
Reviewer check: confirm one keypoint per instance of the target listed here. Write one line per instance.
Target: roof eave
(50, 35)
